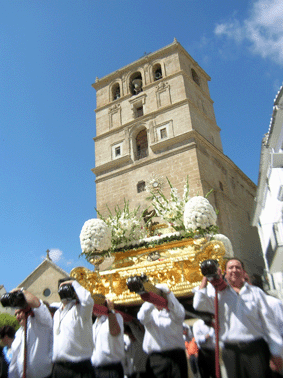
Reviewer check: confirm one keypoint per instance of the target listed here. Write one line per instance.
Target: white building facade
(268, 211)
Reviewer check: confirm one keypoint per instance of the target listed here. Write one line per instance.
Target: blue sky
(50, 54)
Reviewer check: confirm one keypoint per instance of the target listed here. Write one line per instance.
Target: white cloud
(55, 255)
(263, 29)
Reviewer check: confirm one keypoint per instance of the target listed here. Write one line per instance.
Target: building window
(141, 144)
(195, 77)
(136, 83)
(157, 72)
(117, 151)
(140, 186)
(221, 186)
(116, 92)
(139, 111)
(163, 133)
(46, 292)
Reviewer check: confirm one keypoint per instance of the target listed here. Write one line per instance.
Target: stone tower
(155, 117)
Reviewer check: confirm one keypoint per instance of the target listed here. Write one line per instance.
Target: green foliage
(7, 319)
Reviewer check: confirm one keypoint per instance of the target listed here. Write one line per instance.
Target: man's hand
(114, 327)
(66, 282)
(109, 304)
(31, 299)
(276, 364)
(203, 283)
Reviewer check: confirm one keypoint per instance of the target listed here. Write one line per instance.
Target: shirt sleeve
(270, 328)
(203, 300)
(83, 295)
(42, 315)
(175, 307)
(144, 314)
(198, 334)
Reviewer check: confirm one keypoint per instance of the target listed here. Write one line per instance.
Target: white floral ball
(95, 236)
(227, 244)
(199, 213)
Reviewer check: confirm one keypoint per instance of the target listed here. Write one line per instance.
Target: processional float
(164, 255)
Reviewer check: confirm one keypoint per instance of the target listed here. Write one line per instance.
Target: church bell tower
(155, 117)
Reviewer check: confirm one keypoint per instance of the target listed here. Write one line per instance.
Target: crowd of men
(86, 340)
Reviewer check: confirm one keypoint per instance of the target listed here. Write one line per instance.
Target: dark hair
(64, 280)
(7, 330)
(234, 258)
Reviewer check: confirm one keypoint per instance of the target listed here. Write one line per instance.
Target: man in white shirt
(72, 336)
(135, 357)
(163, 339)
(108, 339)
(205, 338)
(247, 326)
(37, 321)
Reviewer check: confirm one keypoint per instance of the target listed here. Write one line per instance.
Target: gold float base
(175, 264)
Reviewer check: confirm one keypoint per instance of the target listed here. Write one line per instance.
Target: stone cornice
(190, 143)
(192, 138)
(146, 59)
(116, 163)
(151, 116)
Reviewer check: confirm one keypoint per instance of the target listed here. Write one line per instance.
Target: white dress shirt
(201, 330)
(108, 349)
(39, 346)
(135, 357)
(72, 331)
(277, 307)
(242, 317)
(163, 329)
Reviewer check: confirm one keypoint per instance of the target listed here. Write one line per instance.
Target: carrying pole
(216, 328)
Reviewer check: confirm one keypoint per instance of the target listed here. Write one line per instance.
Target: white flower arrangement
(170, 210)
(125, 226)
(95, 236)
(227, 244)
(199, 214)
(149, 240)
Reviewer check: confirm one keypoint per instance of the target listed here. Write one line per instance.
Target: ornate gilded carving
(175, 263)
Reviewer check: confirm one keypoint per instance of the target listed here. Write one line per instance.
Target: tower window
(163, 133)
(141, 144)
(117, 151)
(140, 186)
(157, 72)
(116, 92)
(195, 77)
(136, 83)
(139, 111)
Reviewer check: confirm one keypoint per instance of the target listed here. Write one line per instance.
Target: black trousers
(83, 369)
(138, 375)
(169, 364)
(247, 360)
(109, 371)
(206, 362)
